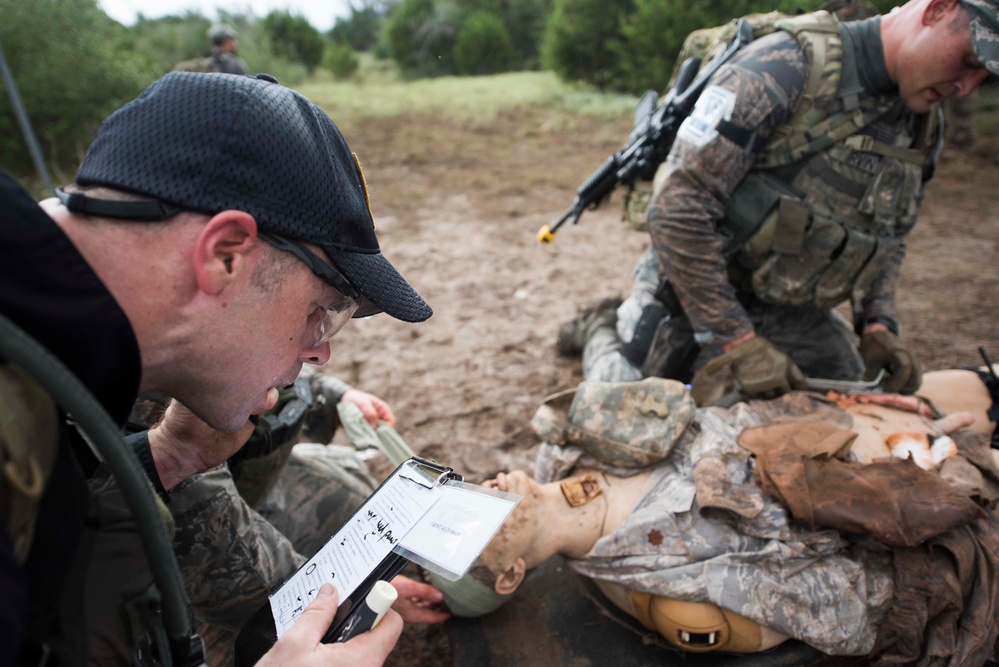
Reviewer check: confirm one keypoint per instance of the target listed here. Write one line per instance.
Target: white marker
(378, 601)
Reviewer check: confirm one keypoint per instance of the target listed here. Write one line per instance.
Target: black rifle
(653, 134)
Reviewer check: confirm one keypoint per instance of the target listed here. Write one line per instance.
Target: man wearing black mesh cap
(218, 235)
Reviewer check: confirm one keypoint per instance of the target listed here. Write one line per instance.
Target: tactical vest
(836, 187)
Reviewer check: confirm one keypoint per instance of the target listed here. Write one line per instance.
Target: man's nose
(318, 355)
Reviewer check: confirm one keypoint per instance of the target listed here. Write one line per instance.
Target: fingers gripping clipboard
(387, 531)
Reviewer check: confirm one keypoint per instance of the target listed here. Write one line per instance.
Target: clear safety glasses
(325, 322)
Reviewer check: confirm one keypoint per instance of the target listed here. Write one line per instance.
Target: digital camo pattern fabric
(984, 32)
(602, 357)
(626, 424)
(705, 532)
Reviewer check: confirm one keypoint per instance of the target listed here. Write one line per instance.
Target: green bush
(525, 21)
(293, 38)
(639, 44)
(399, 30)
(483, 45)
(341, 61)
(360, 29)
(582, 39)
(163, 42)
(65, 56)
(420, 36)
(258, 52)
(655, 31)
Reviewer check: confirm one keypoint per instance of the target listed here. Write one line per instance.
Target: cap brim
(382, 288)
(985, 42)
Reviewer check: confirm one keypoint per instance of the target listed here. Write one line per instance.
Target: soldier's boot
(573, 335)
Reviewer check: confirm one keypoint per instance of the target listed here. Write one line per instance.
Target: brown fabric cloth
(945, 545)
(946, 601)
(810, 439)
(896, 502)
(946, 607)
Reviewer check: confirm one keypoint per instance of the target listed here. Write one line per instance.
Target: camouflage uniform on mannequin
(789, 190)
(733, 529)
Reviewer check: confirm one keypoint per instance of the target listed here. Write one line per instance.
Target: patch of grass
(377, 91)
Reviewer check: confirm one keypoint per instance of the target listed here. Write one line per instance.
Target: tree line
(73, 64)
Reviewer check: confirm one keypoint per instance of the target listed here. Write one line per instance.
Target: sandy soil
(457, 208)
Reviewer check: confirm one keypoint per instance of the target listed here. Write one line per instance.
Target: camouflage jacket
(704, 531)
(830, 226)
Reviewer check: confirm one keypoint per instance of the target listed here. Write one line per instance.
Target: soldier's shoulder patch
(715, 104)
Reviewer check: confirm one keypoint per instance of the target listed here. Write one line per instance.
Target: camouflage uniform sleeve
(761, 86)
(879, 302)
(230, 557)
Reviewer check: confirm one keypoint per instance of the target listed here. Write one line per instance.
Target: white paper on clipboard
(360, 545)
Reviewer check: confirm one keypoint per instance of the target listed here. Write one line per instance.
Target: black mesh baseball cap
(214, 142)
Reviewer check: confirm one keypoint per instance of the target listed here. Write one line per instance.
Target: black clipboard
(258, 634)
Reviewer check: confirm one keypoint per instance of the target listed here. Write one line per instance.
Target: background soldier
(224, 56)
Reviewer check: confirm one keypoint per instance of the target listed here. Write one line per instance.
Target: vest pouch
(636, 205)
(791, 279)
(893, 197)
(837, 281)
(750, 211)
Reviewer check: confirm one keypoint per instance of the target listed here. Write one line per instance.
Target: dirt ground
(457, 208)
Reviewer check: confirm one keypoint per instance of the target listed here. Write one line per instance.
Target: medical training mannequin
(569, 516)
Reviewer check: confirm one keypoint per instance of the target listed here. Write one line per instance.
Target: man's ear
(937, 10)
(509, 579)
(224, 250)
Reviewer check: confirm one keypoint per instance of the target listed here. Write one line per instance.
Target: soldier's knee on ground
(572, 336)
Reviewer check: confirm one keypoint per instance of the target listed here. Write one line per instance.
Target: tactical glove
(885, 350)
(759, 370)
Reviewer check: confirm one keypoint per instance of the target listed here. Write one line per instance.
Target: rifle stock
(650, 141)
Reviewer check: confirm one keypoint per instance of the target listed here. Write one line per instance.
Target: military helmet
(220, 32)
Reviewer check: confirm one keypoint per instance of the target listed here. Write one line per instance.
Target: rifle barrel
(643, 148)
